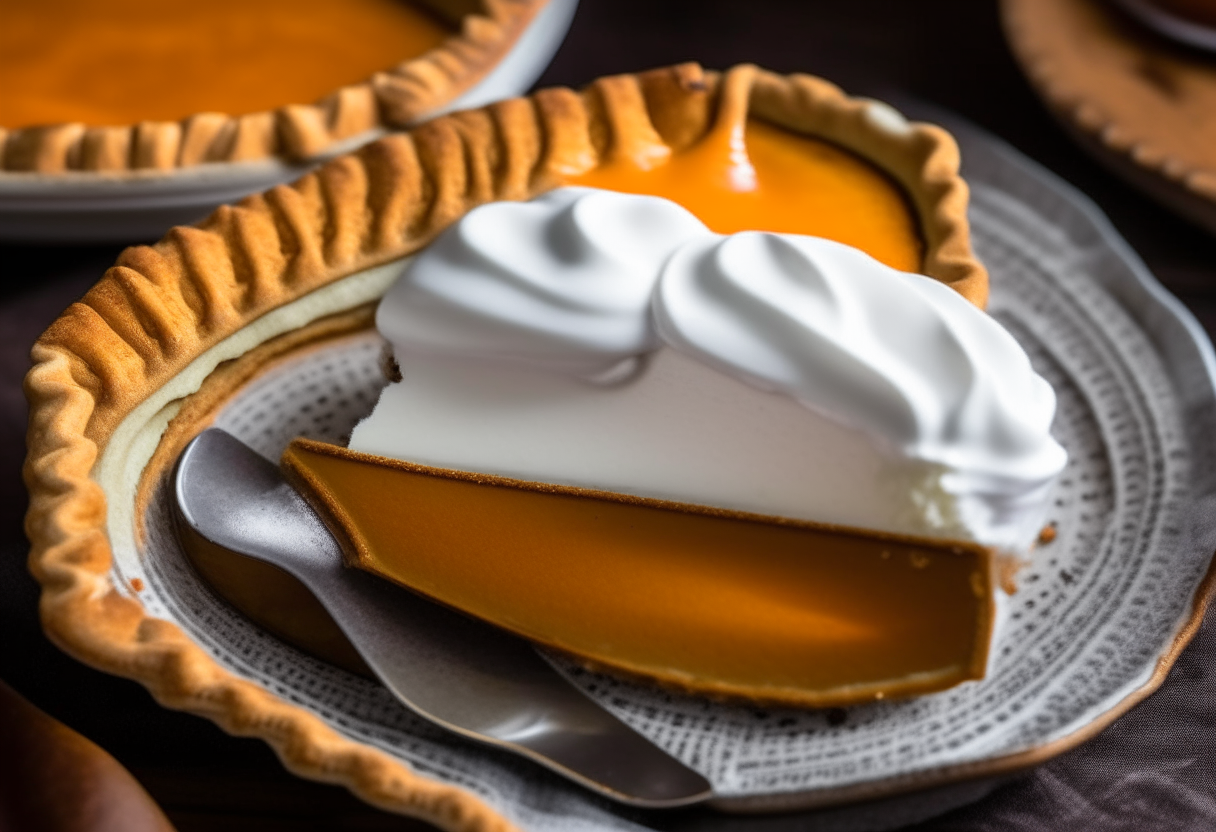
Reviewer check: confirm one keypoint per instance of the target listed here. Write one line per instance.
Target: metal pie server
(457, 672)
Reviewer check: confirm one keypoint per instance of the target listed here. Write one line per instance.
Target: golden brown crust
(487, 30)
(162, 305)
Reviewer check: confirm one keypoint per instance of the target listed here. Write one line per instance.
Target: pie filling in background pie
(759, 465)
(126, 61)
(146, 84)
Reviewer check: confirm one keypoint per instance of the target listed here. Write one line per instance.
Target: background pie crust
(163, 305)
(486, 31)
(1143, 105)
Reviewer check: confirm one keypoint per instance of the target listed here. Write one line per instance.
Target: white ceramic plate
(1101, 613)
(87, 207)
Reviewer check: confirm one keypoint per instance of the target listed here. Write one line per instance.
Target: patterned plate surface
(1101, 610)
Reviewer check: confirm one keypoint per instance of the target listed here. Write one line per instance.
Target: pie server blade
(459, 673)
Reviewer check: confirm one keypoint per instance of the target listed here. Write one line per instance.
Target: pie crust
(1143, 105)
(487, 30)
(156, 325)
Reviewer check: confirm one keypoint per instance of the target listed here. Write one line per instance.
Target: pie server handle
(459, 673)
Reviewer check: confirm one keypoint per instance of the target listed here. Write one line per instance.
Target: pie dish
(79, 183)
(1140, 103)
(454, 45)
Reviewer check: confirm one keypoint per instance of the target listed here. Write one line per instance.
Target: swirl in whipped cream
(899, 355)
(564, 280)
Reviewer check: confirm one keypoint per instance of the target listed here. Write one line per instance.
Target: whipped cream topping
(564, 280)
(580, 279)
(899, 355)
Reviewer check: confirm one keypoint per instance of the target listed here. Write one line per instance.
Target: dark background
(1155, 769)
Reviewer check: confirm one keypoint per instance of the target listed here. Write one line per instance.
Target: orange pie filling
(754, 176)
(127, 61)
(724, 603)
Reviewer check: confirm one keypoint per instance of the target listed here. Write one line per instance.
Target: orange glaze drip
(123, 61)
(769, 179)
(713, 601)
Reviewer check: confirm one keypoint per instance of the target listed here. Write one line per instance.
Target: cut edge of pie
(393, 98)
(113, 353)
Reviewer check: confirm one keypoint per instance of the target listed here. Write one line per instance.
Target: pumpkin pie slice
(757, 465)
(137, 85)
(126, 376)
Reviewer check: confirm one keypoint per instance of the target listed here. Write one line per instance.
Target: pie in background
(142, 85)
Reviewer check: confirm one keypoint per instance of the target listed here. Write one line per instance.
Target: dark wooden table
(1154, 769)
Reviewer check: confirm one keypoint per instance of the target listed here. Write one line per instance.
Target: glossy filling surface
(761, 177)
(712, 601)
(125, 61)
